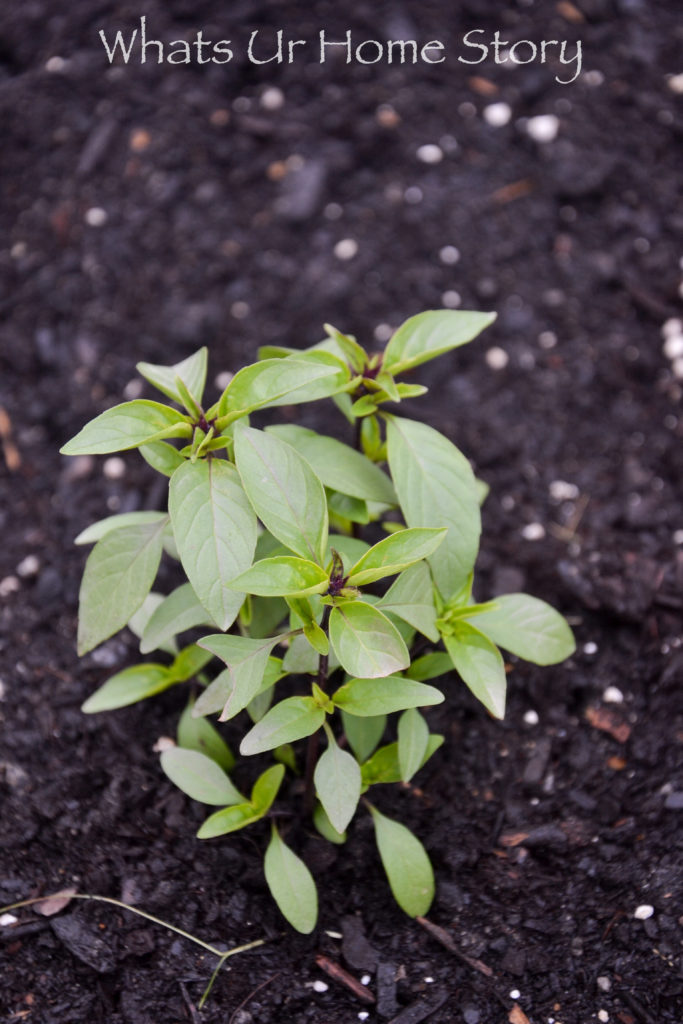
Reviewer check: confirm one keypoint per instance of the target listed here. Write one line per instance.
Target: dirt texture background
(147, 210)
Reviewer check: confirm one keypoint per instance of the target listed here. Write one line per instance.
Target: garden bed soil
(219, 212)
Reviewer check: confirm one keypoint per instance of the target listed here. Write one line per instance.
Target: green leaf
(283, 575)
(479, 664)
(430, 334)
(199, 734)
(199, 777)
(291, 885)
(337, 784)
(215, 530)
(436, 487)
(179, 611)
(383, 767)
(137, 623)
(96, 531)
(429, 666)
(325, 826)
(337, 465)
(161, 456)
(231, 691)
(266, 788)
(395, 553)
(189, 662)
(302, 658)
(355, 355)
(281, 382)
(406, 864)
(365, 697)
(127, 687)
(345, 509)
(366, 405)
(413, 740)
(363, 734)
(118, 575)
(529, 628)
(290, 720)
(192, 372)
(127, 426)
(288, 497)
(267, 613)
(411, 598)
(365, 641)
(388, 385)
(229, 819)
(482, 490)
(350, 549)
(410, 390)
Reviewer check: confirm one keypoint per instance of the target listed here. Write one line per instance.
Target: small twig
(337, 973)
(442, 936)
(636, 1006)
(251, 996)
(191, 1009)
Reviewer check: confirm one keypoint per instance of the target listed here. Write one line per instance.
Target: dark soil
(221, 221)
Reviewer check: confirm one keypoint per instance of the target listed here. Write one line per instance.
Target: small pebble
(96, 217)
(515, 993)
(497, 114)
(676, 83)
(603, 1015)
(561, 490)
(547, 339)
(387, 116)
(139, 140)
(320, 986)
(543, 128)
(497, 358)
(471, 1015)
(133, 389)
(429, 980)
(613, 695)
(604, 983)
(533, 531)
(55, 64)
(346, 249)
(593, 78)
(114, 468)
(223, 379)
(333, 211)
(643, 912)
(28, 566)
(672, 326)
(3, 690)
(530, 718)
(677, 538)
(383, 332)
(10, 584)
(366, 979)
(590, 648)
(673, 346)
(363, 1015)
(163, 743)
(413, 195)
(334, 935)
(8, 919)
(451, 299)
(430, 154)
(677, 367)
(449, 255)
(240, 310)
(272, 98)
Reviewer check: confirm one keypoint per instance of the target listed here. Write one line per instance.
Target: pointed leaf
(337, 783)
(365, 641)
(479, 664)
(325, 826)
(363, 734)
(137, 623)
(179, 611)
(127, 426)
(430, 334)
(281, 382)
(406, 864)
(199, 734)
(192, 372)
(338, 466)
(199, 777)
(266, 788)
(231, 691)
(290, 720)
(283, 489)
(384, 696)
(429, 666)
(529, 628)
(215, 530)
(229, 819)
(355, 355)
(189, 662)
(161, 456)
(291, 885)
(118, 575)
(413, 740)
(395, 553)
(96, 531)
(284, 574)
(436, 487)
(127, 687)
(384, 766)
(411, 598)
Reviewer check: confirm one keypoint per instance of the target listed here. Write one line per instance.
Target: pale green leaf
(288, 497)
(344, 510)
(384, 767)
(429, 666)
(411, 598)
(529, 628)
(229, 819)
(366, 643)
(179, 611)
(137, 623)
(413, 740)
(430, 334)
(161, 456)
(436, 487)
(325, 826)
(337, 784)
(127, 426)
(133, 684)
(354, 354)
(199, 777)
(281, 382)
(266, 788)
(96, 531)
(282, 575)
(290, 720)
(479, 664)
(118, 575)
(189, 662)
(232, 690)
(338, 466)
(395, 553)
(406, 864)
(350, 549)
(215, 531)
(363, 733)
(199, 734)
(192, 372)
(291, 885)
(384, 696)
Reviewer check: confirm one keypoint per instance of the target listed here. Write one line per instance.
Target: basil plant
(303, 627)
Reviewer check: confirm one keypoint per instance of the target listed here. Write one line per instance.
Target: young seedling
(269, 528)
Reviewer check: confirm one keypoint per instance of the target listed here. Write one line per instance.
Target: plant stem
(312, 749)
